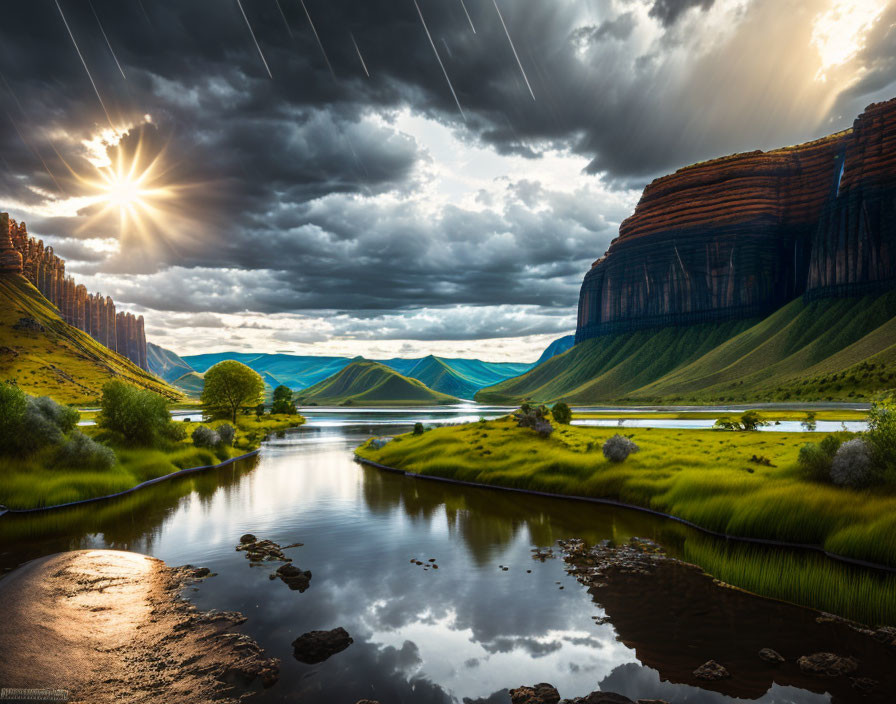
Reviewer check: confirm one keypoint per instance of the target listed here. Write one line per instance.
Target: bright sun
(133, 186)
(839, 33)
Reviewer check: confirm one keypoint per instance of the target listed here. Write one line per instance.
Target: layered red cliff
(742, 235)
(92, 313)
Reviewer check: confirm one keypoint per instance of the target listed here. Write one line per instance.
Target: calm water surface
(462, 633)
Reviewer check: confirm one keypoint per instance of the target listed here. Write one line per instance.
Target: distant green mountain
(462, 377)
(165, 364)
(190, 383)
(830, 349)
(295, 371)
(367, 383)
(558, 346)
(457, 377)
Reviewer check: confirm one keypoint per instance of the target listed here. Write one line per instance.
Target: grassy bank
(704, 477)
(32, 482)
(771, 415)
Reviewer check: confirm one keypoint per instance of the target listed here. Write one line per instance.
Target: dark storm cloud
(304, 173)
(668, 11)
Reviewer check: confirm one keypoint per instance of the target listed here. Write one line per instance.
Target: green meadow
(33, 481)
(706, 477)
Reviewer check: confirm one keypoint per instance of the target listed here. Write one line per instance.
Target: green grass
(770, 415)
(701, 476)
(34, 482)
(366, 383)
(61, 361)
(801, 578)
(833, 349)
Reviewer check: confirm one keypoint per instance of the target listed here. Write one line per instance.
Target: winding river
(463, 632)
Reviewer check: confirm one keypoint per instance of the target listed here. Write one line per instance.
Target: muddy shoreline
(112, 626)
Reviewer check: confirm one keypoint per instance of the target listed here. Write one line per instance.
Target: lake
(464, 632)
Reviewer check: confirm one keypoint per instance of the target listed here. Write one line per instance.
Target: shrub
(535, 418)
(82, 452)
(881, 433)
(283, 402)
(139, 416)
(259, 410)
(752, 421)
(561, 413)
(175, 432)
(226, 433)
(418, 428)
(618, 448)
(45, 423)
(727, 423)
(815, 462)
(809, 423)
(204, 436)
(13, 402)
(851, 465)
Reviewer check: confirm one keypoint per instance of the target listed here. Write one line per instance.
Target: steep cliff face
(742, 235)
(92, 313)
(854, 247)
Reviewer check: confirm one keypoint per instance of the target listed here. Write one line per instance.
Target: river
(463, 632)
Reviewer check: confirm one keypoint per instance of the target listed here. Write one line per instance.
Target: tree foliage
(283, 402)
(561, 413)
(139, 416)
(228, 386)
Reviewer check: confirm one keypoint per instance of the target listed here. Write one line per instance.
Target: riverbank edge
(141, 485)
(621, 504)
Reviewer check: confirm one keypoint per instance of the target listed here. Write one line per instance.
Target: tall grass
(802, 578)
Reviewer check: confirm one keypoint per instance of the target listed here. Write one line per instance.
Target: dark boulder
(316, 646)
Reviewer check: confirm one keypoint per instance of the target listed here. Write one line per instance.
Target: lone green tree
(230, 385)
(283, 402)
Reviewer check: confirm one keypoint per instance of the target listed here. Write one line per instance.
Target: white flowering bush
(851, 465)
(618, 448)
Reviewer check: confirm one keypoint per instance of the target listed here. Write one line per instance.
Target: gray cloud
(301, 191)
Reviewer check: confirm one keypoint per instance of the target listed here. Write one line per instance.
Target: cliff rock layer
(91, 312)
(741, 235)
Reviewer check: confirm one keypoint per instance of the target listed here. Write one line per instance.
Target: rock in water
(317, 646)
(827, 664)
(770, 655)
(541, 693)
(711, 670)
(294, 578)
(247, 538)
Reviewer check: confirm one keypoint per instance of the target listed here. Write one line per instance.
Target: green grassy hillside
(461, 377)
(832, 349)
(366, 383)
(191, 384)
(46, 356)
(165, 364)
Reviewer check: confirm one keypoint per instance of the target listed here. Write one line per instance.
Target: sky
(392, 177)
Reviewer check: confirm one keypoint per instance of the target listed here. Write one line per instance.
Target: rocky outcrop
(739, 236)
(93, 313)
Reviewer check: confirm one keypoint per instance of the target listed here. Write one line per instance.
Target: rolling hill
(165, 364)
(46, 356)
(367, 383)
(462, 377)
(191, 384)
(828, 349)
